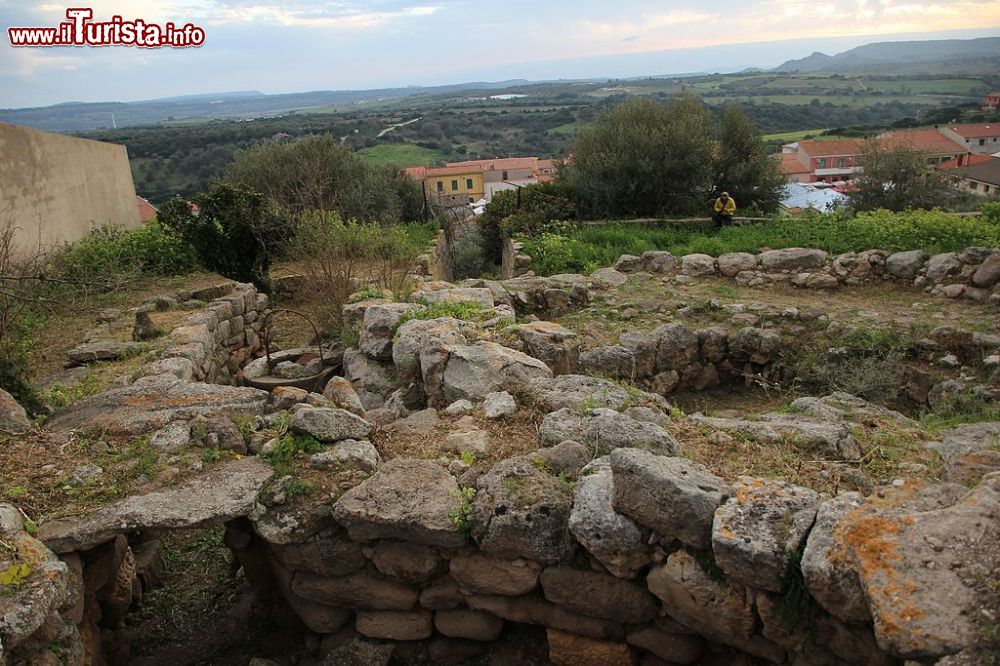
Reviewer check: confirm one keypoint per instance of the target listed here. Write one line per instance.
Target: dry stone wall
(606, 538)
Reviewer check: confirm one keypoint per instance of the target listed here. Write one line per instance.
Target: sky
(301, 45)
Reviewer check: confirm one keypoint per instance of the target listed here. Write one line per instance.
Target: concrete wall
(56, 187)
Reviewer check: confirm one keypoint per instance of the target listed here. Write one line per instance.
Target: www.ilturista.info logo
(81, 30)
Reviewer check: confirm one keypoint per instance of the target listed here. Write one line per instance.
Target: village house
(476, 181)
(821, 161)
(979, 174)
(992, 101)
(981, 138)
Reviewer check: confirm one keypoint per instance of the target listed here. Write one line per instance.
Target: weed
(366, 294)
(463, 310)
(298, 487)
(461, 513)
(210, 456)
(15, 491)
(468, 457)
(59, 395)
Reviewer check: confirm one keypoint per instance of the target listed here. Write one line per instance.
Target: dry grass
(36, 471)
(509, 437)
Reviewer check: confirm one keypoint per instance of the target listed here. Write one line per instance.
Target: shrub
(467, 257)
(337, 256)
(236, 231)
(109, 252)
(540, 204)
(587, 247)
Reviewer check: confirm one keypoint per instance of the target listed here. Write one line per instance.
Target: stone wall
(57, 187)
(215, 341)
(436, 262)
(973, 274)
(514, 263)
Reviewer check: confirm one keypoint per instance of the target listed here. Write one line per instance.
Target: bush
(109, 251)
(588, 247)
(467, 258)
(236, 231)
(338, 256)
(540, 205)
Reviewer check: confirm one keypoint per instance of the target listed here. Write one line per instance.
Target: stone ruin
(606, 539)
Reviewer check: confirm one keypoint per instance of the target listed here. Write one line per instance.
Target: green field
(939, 86)
(802, 134)
(401, 154)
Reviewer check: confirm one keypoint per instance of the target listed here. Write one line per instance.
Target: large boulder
(106, 350)
(794, 259)
(658, 261)
(612, 538)
(410, 500)
(13, 418)
(373, 381)
(758, 530)
(480, 295)
(988, 273)
(379, 327)
(152, 402)
(554, 345)
(755, 345)
(970, 451)
(330, 424)
(603, 430)
(613, 361)
(942, 266)
(674, 496)
(521, 511)
(676, 347)
(714, 608)
(732, 263)
(833, 582)
(697, 265)
(226, 491)
(928, 573)
(418, 341)
(905, 265)
(471, 372)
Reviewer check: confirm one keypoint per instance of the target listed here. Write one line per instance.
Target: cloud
(347, 14)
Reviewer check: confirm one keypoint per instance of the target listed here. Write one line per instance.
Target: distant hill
(931, 56)
(81, 116)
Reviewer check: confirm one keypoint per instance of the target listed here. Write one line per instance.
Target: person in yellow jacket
(725, 207)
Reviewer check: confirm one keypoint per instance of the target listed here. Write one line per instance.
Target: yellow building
(455, 182)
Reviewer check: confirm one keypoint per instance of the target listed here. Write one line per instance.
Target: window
(503, 176)
(842, 162)
(982, 142)
(468, 183)
(821, 163)
(440, 186)
(454, 185)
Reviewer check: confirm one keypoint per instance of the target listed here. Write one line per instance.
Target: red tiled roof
(146, 210)
(499, 164)
(416, 172)
(966, 160)
(452, 170)
(924, 140)
(976, 131)
(831, 148)
(790, 164)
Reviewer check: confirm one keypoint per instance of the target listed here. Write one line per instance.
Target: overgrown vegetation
(585, 248)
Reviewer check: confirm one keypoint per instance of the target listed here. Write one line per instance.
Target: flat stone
(472, 372)
(604, 430)
(792, 259)
(577, 391)
(697, 265)
(532, 609)
(758, 530)
(224, 492)
(566, 649)
(330, 424)
(409, 500)
(347, 454)
(469, 624)
(598, 595)
(395, 625)
(609, 277)
(674, 496)
(408, 562)
(670, 646)
(103, 350)
(499, 405)
(482, 574)
(356, 590)
(152, 402)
